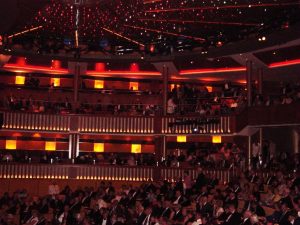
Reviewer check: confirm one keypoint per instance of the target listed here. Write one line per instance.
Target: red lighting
(31, 68)
(284, 63)
(200, 22)
(116, 72)
(224, 7)
(100, 67)
(55, 64)
(212, 70)
(165, 32)
(134, 67)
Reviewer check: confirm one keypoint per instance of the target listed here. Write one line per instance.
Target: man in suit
(233, 218)
(293, 218)
(148, 213)
(178, 217)
(166, 213)
(247, 218)
(201, 179)
(283, 220)
(204, 207)
(178, 199)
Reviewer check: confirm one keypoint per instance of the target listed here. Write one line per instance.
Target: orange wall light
(50, 146)
(136, 148)
(98, 147)
(216, 139)
(209, 88)
(11, 144)
(55, 81)
(20, 80)
(98, 84)
(134, 86)
(181, 139)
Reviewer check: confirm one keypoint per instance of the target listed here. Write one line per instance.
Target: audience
(202, 201)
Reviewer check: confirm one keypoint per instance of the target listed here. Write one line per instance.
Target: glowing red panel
(285, 63)
(212, 70)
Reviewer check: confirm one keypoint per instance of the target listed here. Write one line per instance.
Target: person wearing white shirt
(53, 189)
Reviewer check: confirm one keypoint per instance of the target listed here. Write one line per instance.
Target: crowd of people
(288, 94)
(183, 99)
(199, 100)
(248, 199)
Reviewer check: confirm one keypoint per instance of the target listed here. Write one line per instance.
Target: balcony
(113, 124)
(104, 172)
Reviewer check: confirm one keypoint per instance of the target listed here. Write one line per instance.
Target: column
(260, 80)
(158, 142)
(249, 72)
(295, 138)
(76, 83)
(249, 155)
(165, 89)
(73, 146)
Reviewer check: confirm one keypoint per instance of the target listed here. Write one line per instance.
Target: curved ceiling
(162, 26)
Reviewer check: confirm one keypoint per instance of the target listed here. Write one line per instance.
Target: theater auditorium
(150, 112)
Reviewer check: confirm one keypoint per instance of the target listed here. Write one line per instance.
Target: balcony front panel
(35, 122)
(187, 125)
(106, 172)
(125, 125)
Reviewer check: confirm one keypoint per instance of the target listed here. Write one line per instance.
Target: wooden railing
(104, 172)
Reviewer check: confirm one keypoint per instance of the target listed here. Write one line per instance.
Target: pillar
(260, 137)
(165, 89)
(260, 80)
(73, 146)
(249, 72)
(76, 83)
(249, 155)
(295, 138)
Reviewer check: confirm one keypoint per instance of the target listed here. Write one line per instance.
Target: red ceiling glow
(212, 70)
(134, 67)
(284, 63)
(116, 72)
(32, 68)
(100, 67)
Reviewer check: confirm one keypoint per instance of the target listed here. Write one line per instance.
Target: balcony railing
(104, 172)
(112, 124)
(188, 124)
(38, 122)
(97, 124)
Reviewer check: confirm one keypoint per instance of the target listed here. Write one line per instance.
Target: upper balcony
(165, 125)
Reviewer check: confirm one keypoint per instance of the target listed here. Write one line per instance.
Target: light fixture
(11, 144)
(50, 145)
(98, 84)
(98, 147)
(136, 148)
(134, 86)
(181, 139)
(216, 139)
(55, 81)
(20, 80)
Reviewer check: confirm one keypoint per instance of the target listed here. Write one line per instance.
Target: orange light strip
(116, 72)
(121, 36)
(284, 63)
(201, 22)
(212, 70)
(165, 32)
(25, 31)
(224, 7)
(30, 68)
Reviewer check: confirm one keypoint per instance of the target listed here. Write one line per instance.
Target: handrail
(104, 172)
